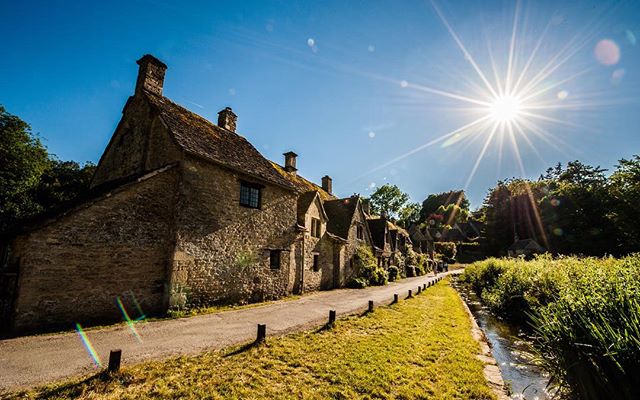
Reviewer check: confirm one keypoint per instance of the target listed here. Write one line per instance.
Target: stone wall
(222, 252)
(140, 143)
(322, 278)
(351, 247)
(73, 268)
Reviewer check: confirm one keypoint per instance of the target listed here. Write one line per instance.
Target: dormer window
(316, 227)
(250, 194)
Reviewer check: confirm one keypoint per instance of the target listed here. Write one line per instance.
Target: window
(360, 232)
(250, 194)
(274, 259)
(316, 262)
(315, 227)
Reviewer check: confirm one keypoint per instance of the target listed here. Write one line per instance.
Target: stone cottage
(181, 213)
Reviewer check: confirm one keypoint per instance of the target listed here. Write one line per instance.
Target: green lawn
(419, 348)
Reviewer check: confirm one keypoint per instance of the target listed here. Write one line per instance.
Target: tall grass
(584, 313)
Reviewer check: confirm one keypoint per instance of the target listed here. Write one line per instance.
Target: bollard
(262, 333)
(115, 356)
(410, 294)
(419, 289)
(332, 317)
(370, 305)
(395, 298)
(424, 286)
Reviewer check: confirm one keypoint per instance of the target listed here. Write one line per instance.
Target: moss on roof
(198, 136)
(303, 185)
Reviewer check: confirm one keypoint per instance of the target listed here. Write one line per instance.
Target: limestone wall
(73, 269)
(222, 253)
(140, 143)
(322, 277)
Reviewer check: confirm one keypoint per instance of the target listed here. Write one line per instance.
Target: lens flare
(88, 346)
(129, 321)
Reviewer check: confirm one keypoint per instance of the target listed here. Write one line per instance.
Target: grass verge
(419, 348)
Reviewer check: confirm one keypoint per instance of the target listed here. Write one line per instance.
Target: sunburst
(513, 104)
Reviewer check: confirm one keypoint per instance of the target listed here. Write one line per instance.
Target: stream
(512, 349)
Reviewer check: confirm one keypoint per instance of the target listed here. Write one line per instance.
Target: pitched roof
(302, 184)
(304, 202)
(198, 136)
(340, 213)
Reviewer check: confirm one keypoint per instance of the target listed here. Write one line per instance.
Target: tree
(409, 214)
(388, 199)
(62, 182)
(431, 204)
(624, 191)
(24, 159)
(31, 180)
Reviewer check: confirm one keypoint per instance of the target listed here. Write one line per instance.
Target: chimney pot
(227, 119)
(290, 161)
(327, 184)
(150, 75)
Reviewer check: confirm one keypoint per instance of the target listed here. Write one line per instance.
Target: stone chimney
(327, 184)
(227, 119)
(290, 161)
(150, 75)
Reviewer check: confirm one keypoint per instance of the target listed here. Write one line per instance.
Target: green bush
(410, 271)
(394, 273)
(367, 269)
(585, 314)
(447, 249)
(357, 283)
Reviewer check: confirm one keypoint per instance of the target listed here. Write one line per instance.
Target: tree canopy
(388, 200)
(33, 181)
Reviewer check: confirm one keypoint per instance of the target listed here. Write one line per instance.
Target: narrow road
(33, 360)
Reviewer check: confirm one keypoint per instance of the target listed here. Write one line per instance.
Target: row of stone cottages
(182, 212)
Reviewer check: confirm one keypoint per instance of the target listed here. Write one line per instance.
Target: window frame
(316, 262)
(316, 227)
(359, 232)
(275, 259)
(251, 186)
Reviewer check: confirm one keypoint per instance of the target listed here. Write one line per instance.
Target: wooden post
(262, 333)
(424, 286)
(395, 298)
(332, 317)
(419, 289)
(410, 293)
(115, 356)
(370, 305)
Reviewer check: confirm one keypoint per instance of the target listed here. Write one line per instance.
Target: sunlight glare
(505, 108)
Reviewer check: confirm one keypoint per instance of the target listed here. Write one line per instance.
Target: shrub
(410, 271)
(585, 314)
(357, 283)
(367, 269)
(447, 249)
(394, 273)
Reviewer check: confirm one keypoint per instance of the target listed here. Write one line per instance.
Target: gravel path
(33, 360)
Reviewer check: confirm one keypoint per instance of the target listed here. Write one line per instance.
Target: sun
(505, 108)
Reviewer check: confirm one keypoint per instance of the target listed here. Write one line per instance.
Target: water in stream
(512, 349)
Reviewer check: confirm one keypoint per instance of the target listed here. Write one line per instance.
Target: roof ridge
(198, 136)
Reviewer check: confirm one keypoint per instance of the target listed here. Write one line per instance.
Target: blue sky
(349, 86)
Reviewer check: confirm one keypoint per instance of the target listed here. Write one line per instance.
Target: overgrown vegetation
(585, 314)
(415, 349)
(367, 272)
(32, 181)
(572, 209)
(447, 249)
